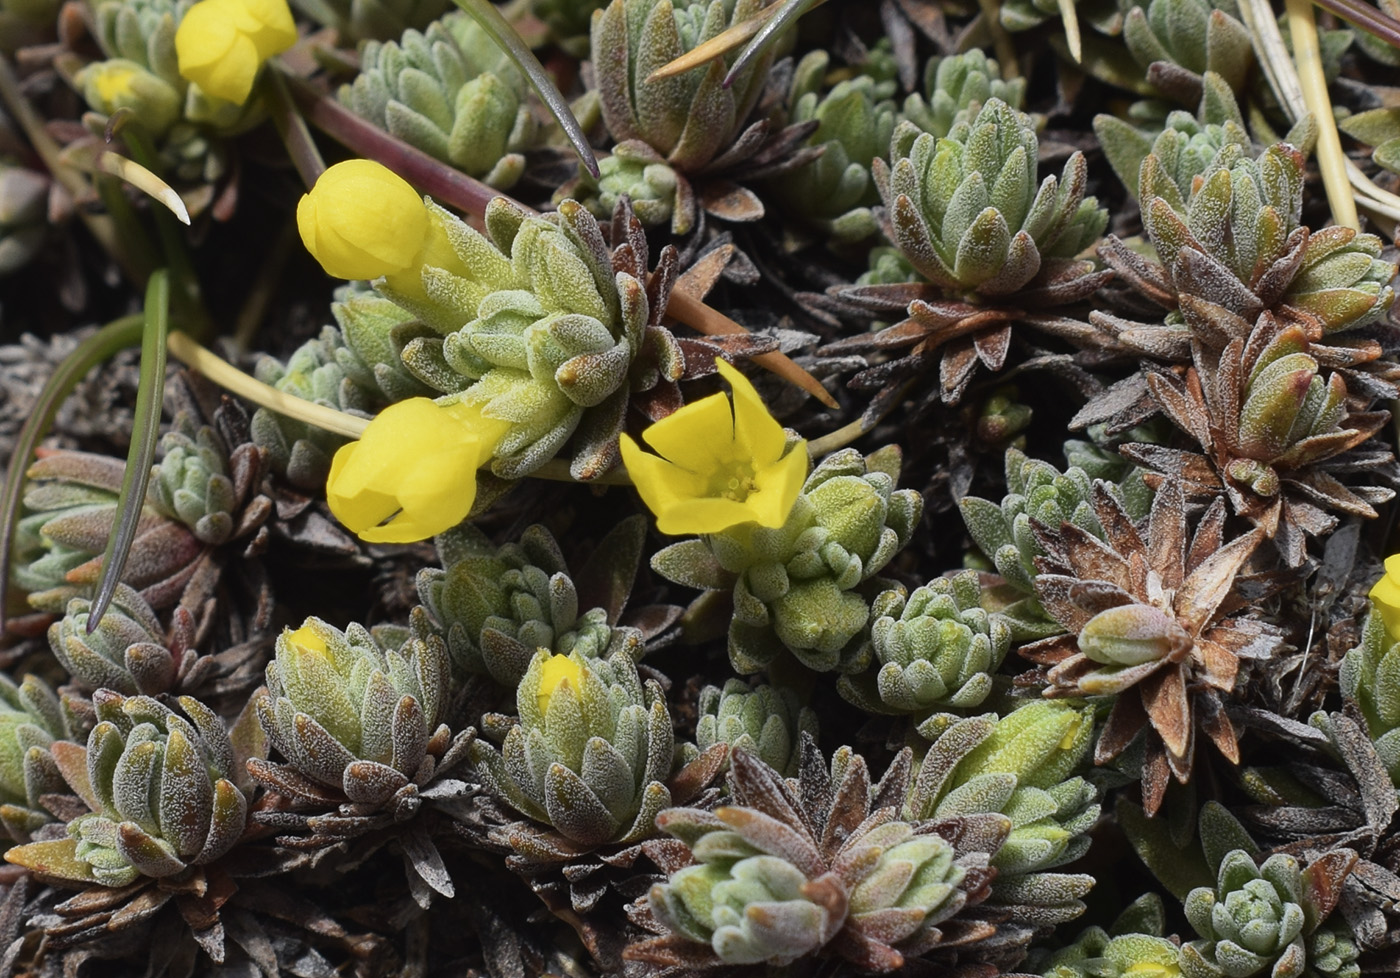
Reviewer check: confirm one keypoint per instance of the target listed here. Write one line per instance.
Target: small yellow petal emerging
(558, 670)
(361, 220)
(412, 475)
(1386, 595)
(306, 639)
(120, 84)
(718, 465)
(115, 81)
(221, 44)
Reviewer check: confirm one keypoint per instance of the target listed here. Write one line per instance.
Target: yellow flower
(412, 474)
(1386, 595)
(361, 220)
(719, 466)
(221, 44)
(558, 670)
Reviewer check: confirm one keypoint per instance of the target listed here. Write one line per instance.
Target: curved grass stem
(115, 336)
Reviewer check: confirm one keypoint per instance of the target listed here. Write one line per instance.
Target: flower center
(734, 480)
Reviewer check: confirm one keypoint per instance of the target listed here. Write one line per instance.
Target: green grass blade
(144, 435)
(768, 33)
(485, 13)
(107, 341)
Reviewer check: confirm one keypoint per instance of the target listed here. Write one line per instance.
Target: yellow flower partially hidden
(221, 44)
(719, 466)
(1385, 593)
(558, 670)
(305, 638)
(120, 84)
(412, 474)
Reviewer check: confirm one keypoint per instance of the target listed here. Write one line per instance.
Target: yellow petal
(712, 514)
(306, 638)
(221, 44)
(214, 54)
(205, 35)
(557, 671)
(411, 476)
(698, 437)
(1386, 596)
(778, 486)
(268, 24)
(757, 434)
(660, 483)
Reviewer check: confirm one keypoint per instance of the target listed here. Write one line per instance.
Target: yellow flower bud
(361, 220)
(412, 474)
(1385, 594)
(221, 44)
(307, 640)
(120, 84)
(558, 670)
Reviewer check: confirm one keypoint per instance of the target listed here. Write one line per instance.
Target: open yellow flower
(412, 474)
(720, 465)
(221, 44)
(1385, 593)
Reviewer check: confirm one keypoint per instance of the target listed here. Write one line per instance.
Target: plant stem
(1001, 40)
(1366, 17)
(846, 434)
(264, 285)
(433, 178)
(291, 126)
(229, 377)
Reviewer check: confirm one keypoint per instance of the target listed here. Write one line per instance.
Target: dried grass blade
(145, 181)
(788, 11)
(1307, 53)
(716, 47)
